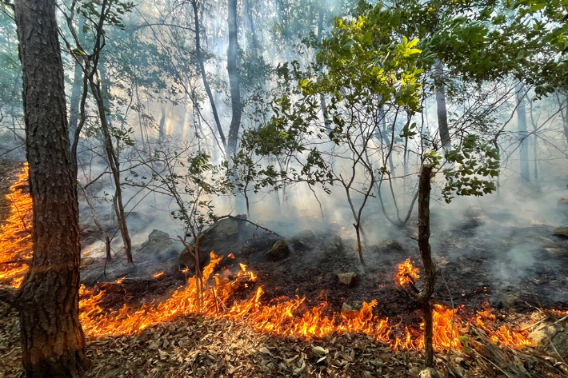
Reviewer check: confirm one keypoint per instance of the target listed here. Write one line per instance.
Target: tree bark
(523, 134)
(443, 127)
(201, 64)
(76, 91)
(234, 79)
(425, 295)
(53, 342)
(255, 45)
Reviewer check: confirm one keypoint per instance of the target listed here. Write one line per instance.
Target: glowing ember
(407, 273)
(158, 275)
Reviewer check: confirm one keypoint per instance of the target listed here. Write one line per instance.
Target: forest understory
(208, 345)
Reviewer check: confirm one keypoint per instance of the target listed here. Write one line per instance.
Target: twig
(493, 363)
(453, 315)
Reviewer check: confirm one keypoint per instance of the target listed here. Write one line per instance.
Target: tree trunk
(76, 91)
(255, 45)
(234, 79)
(523, 135)
(53, 342)
(425, 295)
(115, 169)
(201, 65)
(324, 111)
(443, 127)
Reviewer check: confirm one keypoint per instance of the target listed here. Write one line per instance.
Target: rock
(220, 238)
(333, 245)
(557, 252)
(157, 236)
(547, 333)
(428, 373)
(545, 242)
(159, 246)
(507, 298)
(304, 240)
(561, 231)
(279, 251)
(563, 201)
(350, 311)
(348, 279)
(391, 245)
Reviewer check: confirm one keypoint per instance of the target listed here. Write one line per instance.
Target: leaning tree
(53, 342)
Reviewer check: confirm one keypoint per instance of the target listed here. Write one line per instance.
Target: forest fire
(218, 299)
(15, 237)
(407, 273)
(285, 318)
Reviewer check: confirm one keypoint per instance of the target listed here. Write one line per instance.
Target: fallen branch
(255, 224)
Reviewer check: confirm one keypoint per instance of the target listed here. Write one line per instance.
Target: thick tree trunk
(52, 339)
(523, 135)
(234, 79)
(425, 295)
(443, 127)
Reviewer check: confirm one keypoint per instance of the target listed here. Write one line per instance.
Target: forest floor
(200, 346)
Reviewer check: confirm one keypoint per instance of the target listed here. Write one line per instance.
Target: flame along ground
(291, 317)
(15, 233)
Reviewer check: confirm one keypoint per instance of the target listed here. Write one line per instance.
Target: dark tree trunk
(443, 127)
(234, 79)
(425, 295)
(52, 339)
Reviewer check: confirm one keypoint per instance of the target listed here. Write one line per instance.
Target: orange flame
(407, 273)
(286, 317)
(15, 235)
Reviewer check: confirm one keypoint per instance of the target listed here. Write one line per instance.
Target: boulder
(279, 251)
(561, 231)
(544, 335)
(563, 202)
(348, 279)
(333, 245)
(220, 238)
(159, 246)
(544, 242)
(391, 245)
(159, 237)
(304, 240)
(557, 252)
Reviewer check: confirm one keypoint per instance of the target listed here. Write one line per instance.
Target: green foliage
(475, 165)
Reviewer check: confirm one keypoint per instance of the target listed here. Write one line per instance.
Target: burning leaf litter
(218, 304)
